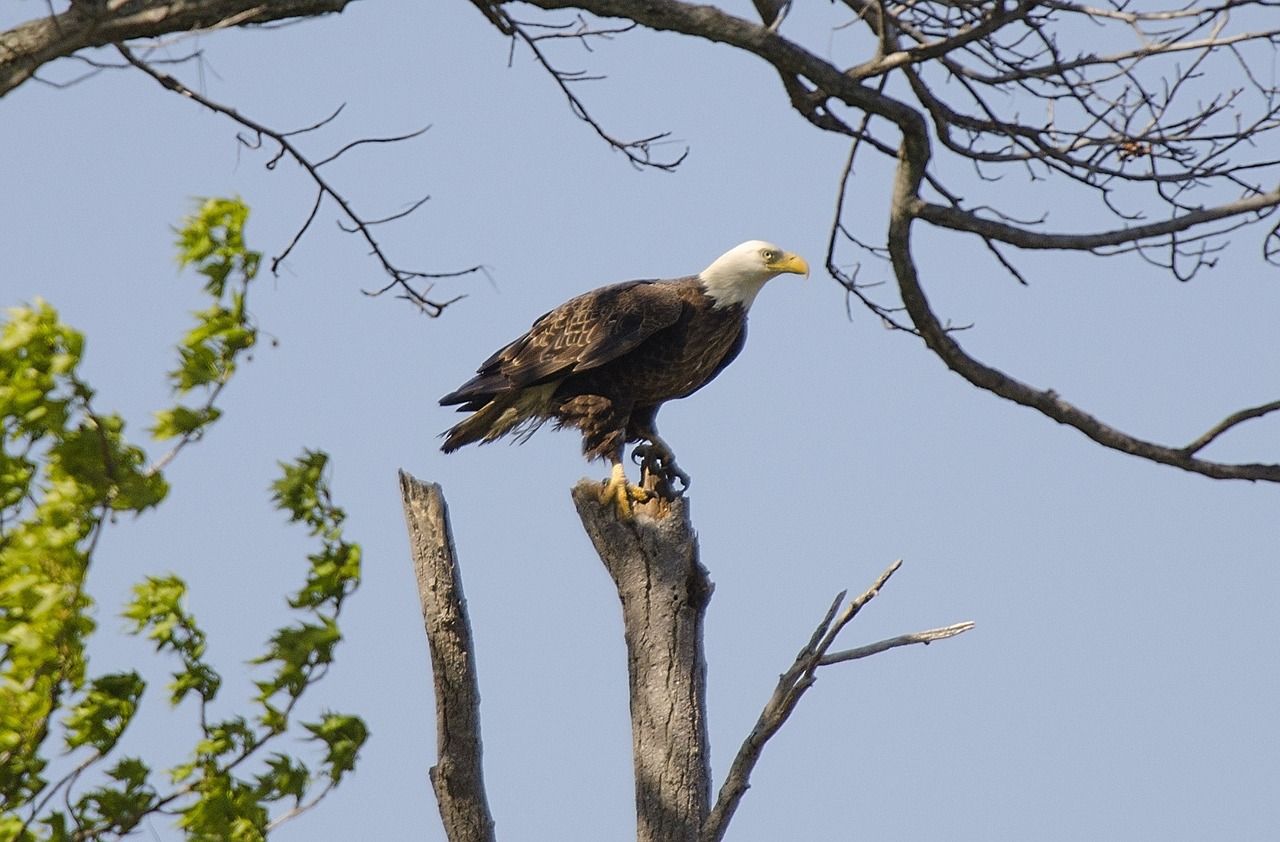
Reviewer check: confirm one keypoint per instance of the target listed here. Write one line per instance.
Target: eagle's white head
(737, 275)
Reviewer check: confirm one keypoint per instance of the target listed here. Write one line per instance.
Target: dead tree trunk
(653, 559)
(652, 555)
(457, 777)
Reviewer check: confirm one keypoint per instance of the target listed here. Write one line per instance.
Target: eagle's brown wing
(581, 334)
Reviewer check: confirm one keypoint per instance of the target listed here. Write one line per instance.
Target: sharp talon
(680, 475)
(657, 460)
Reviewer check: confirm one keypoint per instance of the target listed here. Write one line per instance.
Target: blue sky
(1121, 679)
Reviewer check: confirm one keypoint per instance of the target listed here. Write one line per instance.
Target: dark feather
(583, 333)
(602, 362)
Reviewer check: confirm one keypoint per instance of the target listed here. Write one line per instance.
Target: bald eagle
(604, 362)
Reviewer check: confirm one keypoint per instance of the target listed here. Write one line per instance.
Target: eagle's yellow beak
(792, 263)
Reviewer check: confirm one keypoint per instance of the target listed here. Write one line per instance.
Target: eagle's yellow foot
(622, 493)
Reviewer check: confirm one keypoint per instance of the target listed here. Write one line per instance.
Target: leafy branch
(65, 468)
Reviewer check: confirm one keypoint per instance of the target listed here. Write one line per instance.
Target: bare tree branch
(1262, 204)
(925, 637)
(25, 48)
(793, 683)
(1128, 128)
(1229, 422)
(639, 152)
(939, 340)
(400, 278)
(458, 776)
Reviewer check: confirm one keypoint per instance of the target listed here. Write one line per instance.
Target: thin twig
(639, 152)
(399, 277)
(925, 637)
(1229, 422)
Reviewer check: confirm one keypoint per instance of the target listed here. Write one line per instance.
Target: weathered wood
(457, 777)
(653, 559)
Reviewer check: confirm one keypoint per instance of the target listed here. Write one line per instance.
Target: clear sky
(1121, 682)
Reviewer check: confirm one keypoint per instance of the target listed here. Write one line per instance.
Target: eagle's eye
(768, 255)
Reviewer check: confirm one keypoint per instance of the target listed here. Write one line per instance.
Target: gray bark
(653, 559)
(457, 777)
(25, 48)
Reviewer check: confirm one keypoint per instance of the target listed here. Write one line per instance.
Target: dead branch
(458, 776)
(792, 685)
(27, 47)
(639, 152)
(925, 637)
(400, 278)
(652, 556)
(1229, 422)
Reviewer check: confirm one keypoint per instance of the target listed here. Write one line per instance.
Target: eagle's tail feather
(519, 411)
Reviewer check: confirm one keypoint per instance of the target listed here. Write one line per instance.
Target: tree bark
(28, 46)
(457, 777)
(653, 559)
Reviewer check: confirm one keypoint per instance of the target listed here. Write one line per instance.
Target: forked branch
(27, 47)
(793, 683)
(639, 152)
(402, 279)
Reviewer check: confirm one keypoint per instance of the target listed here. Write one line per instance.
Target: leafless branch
(1229, 422)
(353, 144)
(793, 683)
(27, 47)
(400, 278)
(937, 337)
(925, 637)
(639, 152)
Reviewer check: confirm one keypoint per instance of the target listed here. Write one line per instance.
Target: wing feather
(583, 333)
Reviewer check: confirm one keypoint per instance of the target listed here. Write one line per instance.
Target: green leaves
(114, 809)
(183, 421)
(229, 806)
(104, 711)
(305, 496)
(157, 609)
(66, 469)
(212, 241)
(343, 736)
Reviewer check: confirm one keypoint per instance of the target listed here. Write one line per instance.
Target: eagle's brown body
(603, 362)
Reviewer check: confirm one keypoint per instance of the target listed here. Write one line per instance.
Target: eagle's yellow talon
(622, 493)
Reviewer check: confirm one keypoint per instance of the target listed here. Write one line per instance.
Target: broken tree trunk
(653, 559)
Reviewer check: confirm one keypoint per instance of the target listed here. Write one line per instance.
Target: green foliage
(212, 241)
(342, 735)
(157, 609)
(65, 471)
(104, 711)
